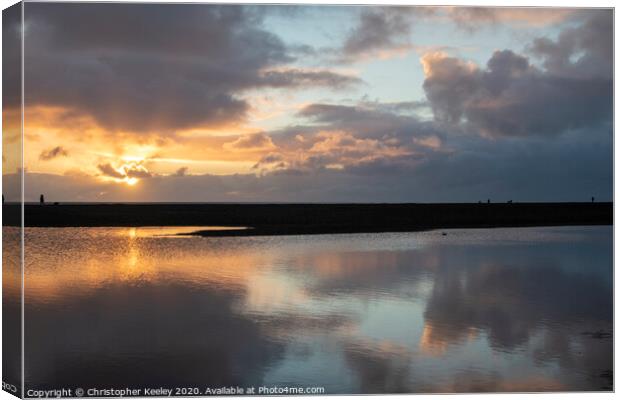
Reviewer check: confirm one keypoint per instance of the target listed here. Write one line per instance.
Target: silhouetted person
(42, 200)
(592, 199)
(488, 201)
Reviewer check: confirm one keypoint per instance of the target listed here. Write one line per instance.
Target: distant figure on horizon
(488, 201)
(509, 201)
(592, 199)
(42, 200)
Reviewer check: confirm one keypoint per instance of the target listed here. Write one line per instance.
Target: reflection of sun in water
(135, 268)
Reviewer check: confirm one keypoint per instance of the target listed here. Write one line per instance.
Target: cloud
(372, 152)
(251, 142)
(109, 171)
(472, 18)
(271, 162)
(136, 170)
(11, 54)
(181, 66)
(55, 152)
(181, 171)
(343, 150)
(128, 170)
(541, 117)
(384, 32)
(584, 51)
(365, 138)
(387, 121)
(572, 167)
(513, 97)
(306, 78)
(381, 31)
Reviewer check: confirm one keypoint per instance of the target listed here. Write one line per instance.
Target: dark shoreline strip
(305, 219)
(295, 231)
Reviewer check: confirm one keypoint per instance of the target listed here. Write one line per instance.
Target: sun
(131, 181)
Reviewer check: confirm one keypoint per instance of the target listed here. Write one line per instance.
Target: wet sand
(301, 219)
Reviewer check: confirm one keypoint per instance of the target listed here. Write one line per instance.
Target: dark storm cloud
(541, 120)
(11, 56)
(385, 31)
(381, 157)
(375, 120)
(156, 67)
(391, 156)
(55, 152)
(584, 51)
(379, 29)
(512, 97)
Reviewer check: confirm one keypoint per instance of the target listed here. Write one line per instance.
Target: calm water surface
(475, 310)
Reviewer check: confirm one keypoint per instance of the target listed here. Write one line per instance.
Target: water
(526, 309)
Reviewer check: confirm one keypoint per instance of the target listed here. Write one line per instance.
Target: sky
(302, 103)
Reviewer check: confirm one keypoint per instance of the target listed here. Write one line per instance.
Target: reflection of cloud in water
(367, 274)
(526, 297)
(377, 370)
(434, 344)
(148, 335)
(523, 304)
(510, 301)
(369, 318)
